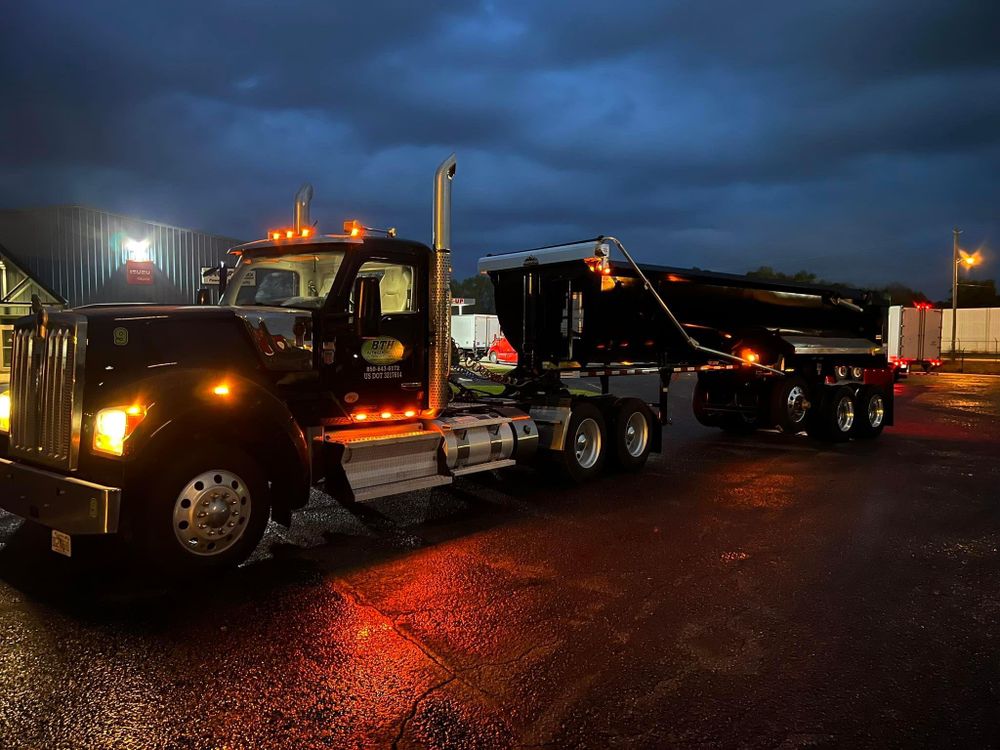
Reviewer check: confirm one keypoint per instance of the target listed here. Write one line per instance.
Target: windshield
(296, 281)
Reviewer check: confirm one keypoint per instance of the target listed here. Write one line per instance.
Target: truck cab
(340, 323)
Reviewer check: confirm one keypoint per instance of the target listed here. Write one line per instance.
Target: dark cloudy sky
(842, 137)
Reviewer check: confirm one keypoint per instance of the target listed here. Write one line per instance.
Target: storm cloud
(844, 138)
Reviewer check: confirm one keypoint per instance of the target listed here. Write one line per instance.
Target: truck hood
(126, 338)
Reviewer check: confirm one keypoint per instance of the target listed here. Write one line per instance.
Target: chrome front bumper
(63, 503)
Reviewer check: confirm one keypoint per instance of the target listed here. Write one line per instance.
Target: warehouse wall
(978, 330)
(80, 253)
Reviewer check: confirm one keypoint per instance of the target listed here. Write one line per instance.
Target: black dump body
(569, 312)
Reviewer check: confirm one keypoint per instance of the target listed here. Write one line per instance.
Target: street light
(960, 258)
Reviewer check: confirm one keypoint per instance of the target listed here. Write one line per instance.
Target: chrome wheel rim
(211, 512)
(636, 434)
(587, 443)
(796, 404)
(845, 414)
(876, 410)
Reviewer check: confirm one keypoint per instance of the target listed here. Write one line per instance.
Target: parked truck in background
(474, 333)
(914, 338)
(327, 365)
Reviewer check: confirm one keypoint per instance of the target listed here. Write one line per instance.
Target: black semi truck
(328, 364)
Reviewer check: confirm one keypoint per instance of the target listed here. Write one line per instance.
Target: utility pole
(954, 289)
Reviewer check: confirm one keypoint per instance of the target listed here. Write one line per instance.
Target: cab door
(382, 369)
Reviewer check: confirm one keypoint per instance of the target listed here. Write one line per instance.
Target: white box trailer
(914, 337)
(473, 334)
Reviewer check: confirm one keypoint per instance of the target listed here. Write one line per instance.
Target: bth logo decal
(385, 350)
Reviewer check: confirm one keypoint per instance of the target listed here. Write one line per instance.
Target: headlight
(113, 426)
(5, 411)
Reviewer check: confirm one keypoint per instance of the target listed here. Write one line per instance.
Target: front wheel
(209, 509)
(493, 358)
(584, 450)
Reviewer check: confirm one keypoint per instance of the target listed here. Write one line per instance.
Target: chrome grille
(46, 389)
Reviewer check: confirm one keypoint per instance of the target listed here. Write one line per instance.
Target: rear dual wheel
(584, 449)
(872, 409)
(833, 420)
(623, 439)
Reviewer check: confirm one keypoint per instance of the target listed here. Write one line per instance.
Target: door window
(396, 285)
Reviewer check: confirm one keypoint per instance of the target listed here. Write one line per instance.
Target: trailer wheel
(834, 419)
(790, 404)
(870, 419)
(584, 451)
(631, 434)
(207, 510)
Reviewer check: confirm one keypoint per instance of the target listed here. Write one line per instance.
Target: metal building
(72, 255)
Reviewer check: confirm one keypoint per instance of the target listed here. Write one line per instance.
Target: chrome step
(366, 464)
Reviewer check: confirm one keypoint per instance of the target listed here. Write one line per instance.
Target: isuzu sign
(139, 272)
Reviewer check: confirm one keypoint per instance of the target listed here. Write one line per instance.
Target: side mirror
(223, 278)
(204, 296)
(367, 306)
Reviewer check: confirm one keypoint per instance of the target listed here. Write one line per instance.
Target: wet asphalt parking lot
(760, 591)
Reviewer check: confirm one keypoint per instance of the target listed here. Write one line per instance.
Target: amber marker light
(386, 415)
(5, 411)
(750, 356)
(275, 235)
(306, 232)
(222, 389)
(360, 416)
(409, 413)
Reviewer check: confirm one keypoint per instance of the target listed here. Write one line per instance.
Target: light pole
(954, 288)
(959, 258)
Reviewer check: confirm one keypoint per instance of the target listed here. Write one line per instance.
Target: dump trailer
(327, 365)
(767, 353)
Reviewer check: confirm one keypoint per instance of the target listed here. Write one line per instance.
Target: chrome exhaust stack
(302, 200)
(440, 291)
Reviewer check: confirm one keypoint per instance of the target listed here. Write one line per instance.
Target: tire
(788, 411)
(493, 358)
(223, 482)
(834, 420)
(585, 449)
(870, 418)
(632, 425)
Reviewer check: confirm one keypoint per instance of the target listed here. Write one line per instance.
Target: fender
(186, 405)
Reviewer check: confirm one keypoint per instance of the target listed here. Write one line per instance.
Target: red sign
(139, 271)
